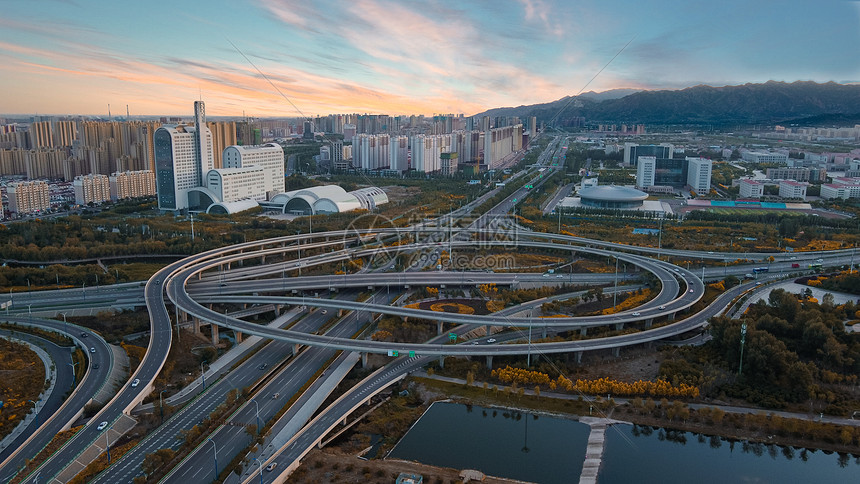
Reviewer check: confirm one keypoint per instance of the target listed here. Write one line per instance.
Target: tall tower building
(183, 157)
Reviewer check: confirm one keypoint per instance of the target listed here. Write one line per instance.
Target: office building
(28, 197)
(183, 157)
(797, 174)
(792, 189)
(646, 170)
(764, 157)
(269, 157)
(751, 189)
(91, 189)
(132, 184)
(633, 151)
(699, 175)
(240, 183)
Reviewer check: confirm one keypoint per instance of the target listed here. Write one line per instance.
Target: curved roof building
(611, 196)
(329, 199)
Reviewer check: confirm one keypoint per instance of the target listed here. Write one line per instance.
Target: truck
(795, 266)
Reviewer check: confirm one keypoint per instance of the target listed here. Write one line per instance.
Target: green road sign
(412, 354)
(452, 336)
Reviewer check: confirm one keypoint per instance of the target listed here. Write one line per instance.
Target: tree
(537, 391)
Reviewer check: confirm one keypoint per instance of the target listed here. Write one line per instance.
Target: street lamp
(35, 414)
(74, 376)
(203, 374)
(261, 469)
(65, 324)
(161, 404)
(215, 454)
(107, 443)
(258, 414)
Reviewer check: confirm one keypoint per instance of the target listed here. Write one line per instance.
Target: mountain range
(770, 102)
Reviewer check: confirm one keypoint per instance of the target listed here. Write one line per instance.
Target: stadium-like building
(612, 196)
(328, 199)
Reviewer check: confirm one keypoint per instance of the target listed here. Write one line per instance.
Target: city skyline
(76, 57)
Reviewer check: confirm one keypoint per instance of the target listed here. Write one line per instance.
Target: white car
(135, 383)
(560, 276)
(102, 426)
(491, 340)
(271, 466)
(636, 314)
(662, 307)
(92, 350)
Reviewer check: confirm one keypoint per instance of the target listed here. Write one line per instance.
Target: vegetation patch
(23, 379)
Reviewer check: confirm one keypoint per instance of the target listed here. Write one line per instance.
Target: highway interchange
(266, 272)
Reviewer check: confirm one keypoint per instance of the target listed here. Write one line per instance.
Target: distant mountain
(607, 95)
(771, 102)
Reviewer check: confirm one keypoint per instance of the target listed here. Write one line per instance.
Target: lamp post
(35, 414)
(258, 414)
(215, 454)
(261, 469)
(203, 374)
(65, 323)
(107, 443)
(161, 404)
(74, 377)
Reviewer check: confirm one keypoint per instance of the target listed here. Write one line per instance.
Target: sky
(315, 57)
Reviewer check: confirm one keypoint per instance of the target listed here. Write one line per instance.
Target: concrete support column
(199, 276)
(295, 349)
(239, 336)
(263, 259)
(649, 322)
(364, 359)
(215, 335)
(489, 330)
(578, 357)
(543, 333)
(619, 326)
(583, 332)
(489, 362)
(340, 313)
(441, 362)
(438, 328)
(672, 317)
(196, 325)
(616, 352)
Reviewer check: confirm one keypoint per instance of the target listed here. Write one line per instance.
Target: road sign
(412, 354)
(452, 336)
(393, 353)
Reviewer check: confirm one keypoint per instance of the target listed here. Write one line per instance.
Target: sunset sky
(401, 57)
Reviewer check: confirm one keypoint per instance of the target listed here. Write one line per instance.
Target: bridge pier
(197, 326)
(649, 322)
(438, 328)
(616, 352)
(543, 333)
(295, 349)
(364, 359)
(619, 326)
(672, 317)
(239, 336)
(583, 332)
(489, 362)
(489, 330)
(441, 362)
(340, 313)
(263, 259)
(215, 335)
(578, 357)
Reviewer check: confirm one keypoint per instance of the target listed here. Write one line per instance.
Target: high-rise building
(448, 163)
(269, 157)
(183, 157)
(501, 143)
(337, 158)
(633, 151)
(91, 188)
(28, 197)
(241, 183)
(646, 171)
(132, 184)
(399, 156)
(223, 135)
(699, 175)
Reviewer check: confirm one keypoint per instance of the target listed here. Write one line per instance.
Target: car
(792, 257)
(691, 290)
(263, 366)
(710, 252)
(223, 284)
(636, 314)
(324, 311)
(491, 340)
(84, 335)
(271, 466)
(102, 426)
(559, 276)
(819, 260)
(662, 307)
(676, 270)
(546, 275)
(758, 283)
(92, 350)
(95, 366)
(475, 343)
(135, 383)
(275, 396)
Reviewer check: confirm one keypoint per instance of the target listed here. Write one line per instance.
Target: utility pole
(743, 340)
